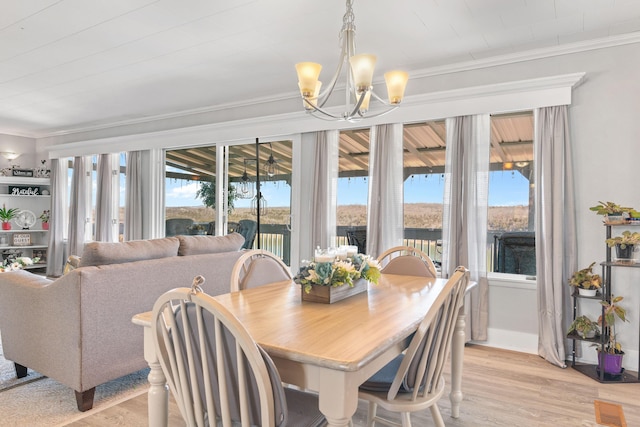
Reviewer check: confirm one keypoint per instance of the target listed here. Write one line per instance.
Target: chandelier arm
(318, 109)
(344, 57)
(383, 101)
(382, 113)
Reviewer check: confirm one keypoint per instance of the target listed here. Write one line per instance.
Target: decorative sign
(21, 239)
(22, 172)
(23, 190)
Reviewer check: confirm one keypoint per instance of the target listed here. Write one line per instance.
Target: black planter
(626, 253)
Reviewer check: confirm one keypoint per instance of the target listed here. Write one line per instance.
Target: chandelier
(358, 80)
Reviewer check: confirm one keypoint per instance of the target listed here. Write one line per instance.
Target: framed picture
(41, 254)
(21, 239)
(22, 172)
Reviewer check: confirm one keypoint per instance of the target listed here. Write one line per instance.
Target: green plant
(45, 215)
(626, 238)
(612, 311)
(7, 215)
(582, 325)
(586, 279)
(338, 272)
(609, 208)
(207, 193)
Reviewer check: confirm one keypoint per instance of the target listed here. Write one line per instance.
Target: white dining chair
(407, 260)
(413, 381)
(217, 373)
(258, 267)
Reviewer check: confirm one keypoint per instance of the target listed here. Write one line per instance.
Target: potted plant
(197, 229)
(586, 281)
(624, 243)
(610, 353)
(329, 278)
(44, 217)
(584, 327)
(614, 213)
(6, 215)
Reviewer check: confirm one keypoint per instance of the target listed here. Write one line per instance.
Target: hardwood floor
(501, 388)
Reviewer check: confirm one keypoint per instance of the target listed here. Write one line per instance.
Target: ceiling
(70, 65)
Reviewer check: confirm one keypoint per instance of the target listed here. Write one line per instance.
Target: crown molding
(529, 55)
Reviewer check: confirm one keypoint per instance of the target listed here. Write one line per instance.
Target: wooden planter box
(330, 294)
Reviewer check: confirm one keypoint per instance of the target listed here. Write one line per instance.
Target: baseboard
(511, 340)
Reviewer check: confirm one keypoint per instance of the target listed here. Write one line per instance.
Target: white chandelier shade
(359, 70)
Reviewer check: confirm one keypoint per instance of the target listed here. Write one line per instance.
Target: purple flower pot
(612, 363)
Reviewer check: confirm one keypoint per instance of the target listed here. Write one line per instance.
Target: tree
(207, 193)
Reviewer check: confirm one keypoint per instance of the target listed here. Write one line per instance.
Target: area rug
(38, 401)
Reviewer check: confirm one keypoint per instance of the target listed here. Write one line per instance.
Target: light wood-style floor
(501, 388)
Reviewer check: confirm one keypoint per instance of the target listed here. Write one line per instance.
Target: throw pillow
(196, 245)
(103, 253)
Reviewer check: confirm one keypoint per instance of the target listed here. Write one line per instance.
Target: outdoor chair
(407, 260)
(256, 268)
(248, 228)
(413, 381)
(358, 238)
(217, 373)
(515, 252)
(177, 226)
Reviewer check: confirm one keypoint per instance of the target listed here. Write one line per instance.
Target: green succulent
(626, 238)
(7, 215)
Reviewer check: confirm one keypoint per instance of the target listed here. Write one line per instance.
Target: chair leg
(373, 407)
(437, 417)
(84, 399)
(406, 419)
(21, 371)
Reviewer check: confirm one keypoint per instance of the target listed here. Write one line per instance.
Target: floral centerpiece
(13, 264)
(338, 272)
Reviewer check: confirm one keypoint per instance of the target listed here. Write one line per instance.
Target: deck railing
(276, 238)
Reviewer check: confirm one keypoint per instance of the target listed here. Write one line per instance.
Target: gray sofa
(77, 329)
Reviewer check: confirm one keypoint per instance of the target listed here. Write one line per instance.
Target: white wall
(605, 128)
(26, 147)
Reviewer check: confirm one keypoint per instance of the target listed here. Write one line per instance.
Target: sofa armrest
(40, 324)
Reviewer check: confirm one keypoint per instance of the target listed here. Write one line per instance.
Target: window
(190, 190)
(353, 187)
(424, 159)
(511, 195)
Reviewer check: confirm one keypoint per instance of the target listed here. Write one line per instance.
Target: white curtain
(106, 219)
(464, 223)
(133, 195)
(56, 255)
(555, 224)
(79, 204)
(386, 202)
(325, 185)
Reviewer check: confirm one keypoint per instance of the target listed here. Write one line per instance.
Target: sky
(506, 188)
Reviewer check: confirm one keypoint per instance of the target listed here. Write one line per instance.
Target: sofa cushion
(196, 245)
(102, 253)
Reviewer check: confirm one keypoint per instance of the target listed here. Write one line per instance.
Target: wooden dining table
(328, 348)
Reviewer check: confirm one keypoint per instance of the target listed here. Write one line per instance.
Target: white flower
(373, 263)
(15, 266)
(346, 265)
(25, 260)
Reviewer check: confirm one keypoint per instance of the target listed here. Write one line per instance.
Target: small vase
(611, 363)
(45, 225)
(626, 253)
(587, 292)
(6, 226)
